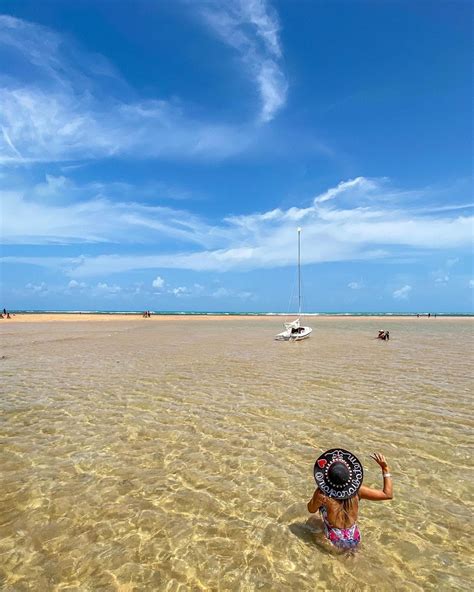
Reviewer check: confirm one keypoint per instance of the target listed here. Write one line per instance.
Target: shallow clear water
(164, 455)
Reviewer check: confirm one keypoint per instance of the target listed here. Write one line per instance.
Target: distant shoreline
(81, 316)
(225, 313)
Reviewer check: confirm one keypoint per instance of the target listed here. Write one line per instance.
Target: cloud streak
(402, 293)
(251, 27)
(54, 107)
(358, 222)
(44, 214)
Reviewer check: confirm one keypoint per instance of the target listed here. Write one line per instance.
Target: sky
(161, 155)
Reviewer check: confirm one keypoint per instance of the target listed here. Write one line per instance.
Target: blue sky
(160, 155)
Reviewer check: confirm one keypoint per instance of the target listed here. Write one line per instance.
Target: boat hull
(289, 335)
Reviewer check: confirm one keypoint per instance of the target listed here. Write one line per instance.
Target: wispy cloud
(44, 214)
(40, 126)
(251, 27)
(357, 223)
(54, 108)
(402, 293)
(40, 289)
(360, 186)
(228, 293)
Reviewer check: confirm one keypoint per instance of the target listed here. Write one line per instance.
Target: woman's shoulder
(321, 498)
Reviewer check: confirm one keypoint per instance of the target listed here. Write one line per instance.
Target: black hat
(338, 473)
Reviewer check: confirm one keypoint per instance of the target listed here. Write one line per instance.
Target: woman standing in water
(339, 476)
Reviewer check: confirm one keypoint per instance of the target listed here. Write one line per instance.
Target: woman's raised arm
(379, 494)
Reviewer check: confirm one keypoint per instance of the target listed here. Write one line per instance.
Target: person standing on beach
(339, 474)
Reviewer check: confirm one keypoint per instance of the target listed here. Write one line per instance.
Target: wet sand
(176, 453)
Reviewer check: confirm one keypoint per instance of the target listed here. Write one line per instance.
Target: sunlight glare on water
(177, 455)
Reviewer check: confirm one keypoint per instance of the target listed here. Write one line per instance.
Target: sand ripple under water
(146, 455)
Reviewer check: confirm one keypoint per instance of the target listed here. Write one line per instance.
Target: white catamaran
(295, 331)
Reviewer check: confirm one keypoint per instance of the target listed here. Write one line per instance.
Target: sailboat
(295, 331)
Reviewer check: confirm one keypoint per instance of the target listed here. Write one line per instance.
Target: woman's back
(342, 514)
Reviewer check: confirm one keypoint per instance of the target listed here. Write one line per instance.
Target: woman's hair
(346, 506)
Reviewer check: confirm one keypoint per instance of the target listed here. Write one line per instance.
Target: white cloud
(73, 284)
(181, 291)
(28, 219)
(442, 279)
(251, 27)
(184, 291)
(103, 287)
(354, 187)
(227, 293)
(355, 285)
(59, 125)
(40, 289)
(362, 220)
(402, 293)
(52, 187)
(158, 283)
(61, 113)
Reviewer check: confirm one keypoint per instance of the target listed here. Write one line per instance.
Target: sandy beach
(176, 453)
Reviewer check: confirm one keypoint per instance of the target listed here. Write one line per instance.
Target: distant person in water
(339, 475)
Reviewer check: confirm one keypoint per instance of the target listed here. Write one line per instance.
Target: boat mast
(299, 272)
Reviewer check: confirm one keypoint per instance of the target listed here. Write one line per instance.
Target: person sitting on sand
(339, 474)
(381, 334)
